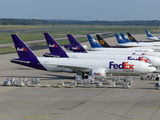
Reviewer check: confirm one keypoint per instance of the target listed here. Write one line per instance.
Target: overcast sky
(109, 10)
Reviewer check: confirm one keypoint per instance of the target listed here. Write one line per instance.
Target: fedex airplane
(151, 37)
(56, 50)
(75, 46)
(95, 66)
(95, 46)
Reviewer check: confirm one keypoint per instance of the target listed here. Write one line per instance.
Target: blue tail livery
(124, 37)
(93, 42)
(119, 39)
(148, 33)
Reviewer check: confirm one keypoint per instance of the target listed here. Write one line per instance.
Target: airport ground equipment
(35, 81)
(104, 80)
(116, 80)
(126, 84)
(112, 84)
(59, 84)
(128, 79)
(86, 82)
(21, 82)
(72, 84)
(157, 77)
(99, 84)
(92, 79)
(157, 85)
(78, 79)
(9, 81)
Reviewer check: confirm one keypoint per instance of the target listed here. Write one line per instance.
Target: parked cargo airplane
(151, 45)
(95, 46)
(75, 46)
(133, 39)
(104, 44)
(98, 67)
(148, 52)
(151, 37)
(56, 50)
(135, 50)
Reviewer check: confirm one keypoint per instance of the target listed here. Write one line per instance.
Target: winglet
(74, 46)
(93, 42)
(54, 47)
(124, 37)
(102, 42)
(119, 39)
(22, 49)
(148, 33)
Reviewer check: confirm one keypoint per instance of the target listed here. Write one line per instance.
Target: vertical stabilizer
(148, 33)
(74, 46)
(131, 37)
(124, 37)
(93, 42)
(23, 50)
(119, 39)
(26, 56)
(54, 47)
(102, 42)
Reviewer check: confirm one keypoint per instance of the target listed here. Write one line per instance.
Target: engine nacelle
(98, 72)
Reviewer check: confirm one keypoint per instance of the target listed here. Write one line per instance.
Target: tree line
(7, 21)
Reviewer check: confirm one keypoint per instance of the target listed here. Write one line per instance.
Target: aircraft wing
(72, 67)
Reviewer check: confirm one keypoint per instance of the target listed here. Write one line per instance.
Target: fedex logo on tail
(124, 65)
(139, 58)
(22, 49)
(54, 45)
(75, 48)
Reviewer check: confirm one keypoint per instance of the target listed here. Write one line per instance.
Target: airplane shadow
(48, 77)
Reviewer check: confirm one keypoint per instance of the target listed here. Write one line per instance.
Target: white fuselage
(85, 65)
(149, 45)
(154, 38)
(116, 56)
(144, 49)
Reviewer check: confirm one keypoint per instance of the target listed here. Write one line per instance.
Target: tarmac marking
(47, 116)
(114, 114)
(33, 117)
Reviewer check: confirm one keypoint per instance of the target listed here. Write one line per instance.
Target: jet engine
(98, 72)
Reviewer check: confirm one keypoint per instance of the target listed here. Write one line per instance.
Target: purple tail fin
(26, 56)
(22, 49)
(54, 47)
(74, 46)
